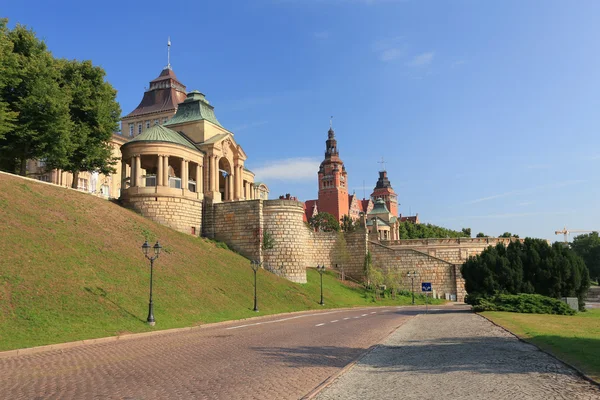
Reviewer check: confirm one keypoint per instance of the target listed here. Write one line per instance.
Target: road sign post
(426, 287)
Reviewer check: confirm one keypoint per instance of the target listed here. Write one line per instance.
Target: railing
(192, 185)
(150, 180)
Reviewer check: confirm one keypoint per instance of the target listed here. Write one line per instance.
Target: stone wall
(455, 250)
(290, 255)
(238, 223)
(442, 274)
(181, 214)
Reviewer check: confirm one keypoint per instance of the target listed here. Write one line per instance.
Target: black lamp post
(412, 275)
(146, 249)
(255, 267)
(321, 269)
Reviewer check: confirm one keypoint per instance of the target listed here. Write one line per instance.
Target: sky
(485, 112)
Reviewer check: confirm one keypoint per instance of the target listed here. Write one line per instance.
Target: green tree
(508, 235)
(481, 235)
(410, 230)
(341, 256)
(368, 264)
(587, 246)
(392, 279)
(94, 113)
(8, 65)
(324, 221)
(347, 225)
(32, 94)
(376, 277)
(531, 266)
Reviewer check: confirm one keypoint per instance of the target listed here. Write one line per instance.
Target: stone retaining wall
(179, 213)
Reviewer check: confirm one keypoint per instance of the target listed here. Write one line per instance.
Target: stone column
(240, 181)
(216, 173)
(159, 171)
(211, 173)
(251, 191)
(226, 196)
(123, 173)
(166, 171)
(199, 180)
(236, 188)
(138, 170)
(232, 187)
(184, 173)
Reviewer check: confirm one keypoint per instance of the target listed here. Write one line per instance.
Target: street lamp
(146, 249)
(321, 269)
(255, 267)
(412, 275)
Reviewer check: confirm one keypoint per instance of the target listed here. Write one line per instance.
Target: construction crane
(566, 232)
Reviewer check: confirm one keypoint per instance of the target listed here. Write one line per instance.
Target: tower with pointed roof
(333, 180)
(384, 190)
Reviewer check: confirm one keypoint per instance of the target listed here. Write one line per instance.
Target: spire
(382, 162)
(331, 122)
(169, 52)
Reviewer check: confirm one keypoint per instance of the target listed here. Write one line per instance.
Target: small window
(165, 120)
(156, 122)
(147, 124)
(131, 130)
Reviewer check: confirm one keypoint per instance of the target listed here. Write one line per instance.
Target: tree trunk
(75, 179)
(23, 166)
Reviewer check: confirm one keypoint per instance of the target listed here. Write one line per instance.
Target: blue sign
(426, 286)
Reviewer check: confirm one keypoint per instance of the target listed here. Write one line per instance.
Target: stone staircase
(593, 294)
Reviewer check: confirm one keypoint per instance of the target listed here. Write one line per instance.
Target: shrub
(531, 266)
(521, 303)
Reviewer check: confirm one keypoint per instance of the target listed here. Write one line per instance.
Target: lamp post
(146, 249)
(321, 269)
(412, 275)
(255, 267)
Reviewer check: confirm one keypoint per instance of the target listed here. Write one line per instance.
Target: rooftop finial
(169, 52)
(331, 122)
(382, 162)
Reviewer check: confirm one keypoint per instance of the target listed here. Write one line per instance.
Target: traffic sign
(426, 286)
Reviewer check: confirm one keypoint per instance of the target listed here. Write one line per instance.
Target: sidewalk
(457, 356)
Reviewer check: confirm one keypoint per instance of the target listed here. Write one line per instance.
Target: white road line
(283, 319)
(319, 324)
(356, 317)
(335, 320)
(364, 315)
(346, 318)
(373, 312)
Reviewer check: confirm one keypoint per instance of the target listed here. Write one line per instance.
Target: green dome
(159, 133)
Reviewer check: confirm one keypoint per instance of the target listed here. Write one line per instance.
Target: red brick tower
(383, 190)
(333, 182)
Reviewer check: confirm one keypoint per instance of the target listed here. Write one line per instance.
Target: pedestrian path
(458, 356)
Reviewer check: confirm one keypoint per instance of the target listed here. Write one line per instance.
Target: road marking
(364, 315)
(286, 319)
(346, 318)
(335, 320)
(356, 317)
(319, 324)
(373, 312)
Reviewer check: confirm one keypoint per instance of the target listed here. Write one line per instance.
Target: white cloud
(458, 63)
(527, 191)
(390, 48)
(421, 60)
(290, 169)
(507, 215)
(390, 54)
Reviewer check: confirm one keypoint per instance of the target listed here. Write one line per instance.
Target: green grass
(572, 338)
(71, 268)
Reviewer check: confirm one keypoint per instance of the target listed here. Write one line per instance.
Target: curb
(130, 336)
(327, 382)
(577, 370)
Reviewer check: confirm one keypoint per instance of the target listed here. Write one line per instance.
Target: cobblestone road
(279, 357)
(458, 356)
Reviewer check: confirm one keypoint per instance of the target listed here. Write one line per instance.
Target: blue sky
(486, 112)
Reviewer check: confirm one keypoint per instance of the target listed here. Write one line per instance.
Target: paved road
(458, 356)
(280, 357)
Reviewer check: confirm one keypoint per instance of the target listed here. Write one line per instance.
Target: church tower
(333, 182)
(383, 190)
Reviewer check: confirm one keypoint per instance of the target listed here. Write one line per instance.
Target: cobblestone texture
(458, 356)
(279, 357)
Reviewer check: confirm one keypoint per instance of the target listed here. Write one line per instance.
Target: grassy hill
(71, 268)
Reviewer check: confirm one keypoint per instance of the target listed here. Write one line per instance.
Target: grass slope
(71, 268)
(572, 338)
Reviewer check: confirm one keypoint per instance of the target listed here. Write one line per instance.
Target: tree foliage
(348, 224)
(410, 230)
(508, 235)
(324, 221)
(481, 235)
(32, 93)
(94, 114)
(58, 110)
(531, 266)
(588, 247)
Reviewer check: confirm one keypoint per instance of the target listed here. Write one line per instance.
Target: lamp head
(145, 248)
(157, 248)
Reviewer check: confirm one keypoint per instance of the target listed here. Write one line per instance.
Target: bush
(521, 303)
(531, 266)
